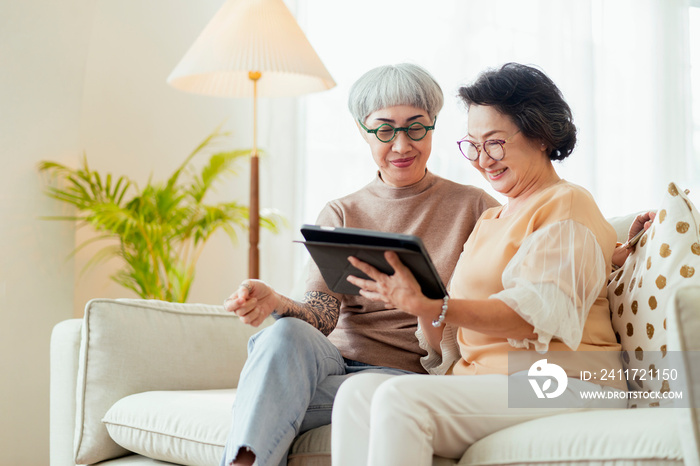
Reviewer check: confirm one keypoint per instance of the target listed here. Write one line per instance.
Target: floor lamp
(252, 48)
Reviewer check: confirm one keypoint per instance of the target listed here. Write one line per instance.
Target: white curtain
(622, 65)
(641, 103)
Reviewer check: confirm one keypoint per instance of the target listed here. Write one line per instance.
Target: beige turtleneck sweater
(442, 213)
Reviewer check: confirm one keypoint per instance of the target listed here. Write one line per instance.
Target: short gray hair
(392, 85)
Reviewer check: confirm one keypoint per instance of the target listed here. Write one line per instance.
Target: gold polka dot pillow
(666, 258)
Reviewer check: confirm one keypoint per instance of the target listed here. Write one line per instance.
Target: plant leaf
(158, 231)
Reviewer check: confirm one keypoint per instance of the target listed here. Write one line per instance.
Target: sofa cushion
(184, 427)
(665, 259)
(190, 428)
(313, 448)
(600, 437)
(133, 346)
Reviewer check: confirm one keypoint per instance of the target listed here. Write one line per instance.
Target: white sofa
(161, 376)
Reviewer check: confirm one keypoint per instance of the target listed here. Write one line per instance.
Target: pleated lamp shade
(251, 35)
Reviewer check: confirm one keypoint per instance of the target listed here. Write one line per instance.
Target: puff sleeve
(433, 362)
(552, 282)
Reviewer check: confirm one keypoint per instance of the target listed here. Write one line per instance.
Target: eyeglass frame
(480, 145)
(396, 130)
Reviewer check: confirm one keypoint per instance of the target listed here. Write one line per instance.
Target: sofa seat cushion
(190, 427)
(313, 448)
(186, 427)
(602, 437)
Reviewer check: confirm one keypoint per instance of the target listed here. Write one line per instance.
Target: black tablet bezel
(329, 247)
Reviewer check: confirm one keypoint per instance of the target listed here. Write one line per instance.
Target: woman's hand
(400, 290)
(641, 223)
(253, 301)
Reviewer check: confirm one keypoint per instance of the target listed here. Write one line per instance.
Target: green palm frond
(88, 242)
(220, 164)
(99, 257)
(157, 232)
(215, 135)
(273, 220)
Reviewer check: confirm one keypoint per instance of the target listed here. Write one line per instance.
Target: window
(694, 39)
(623, 67)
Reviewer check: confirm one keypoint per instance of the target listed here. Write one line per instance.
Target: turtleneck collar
(381, 189)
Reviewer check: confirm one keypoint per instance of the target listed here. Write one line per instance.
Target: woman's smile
(496, 174)
(403, 162)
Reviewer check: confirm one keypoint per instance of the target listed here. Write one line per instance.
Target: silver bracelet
(441, 318)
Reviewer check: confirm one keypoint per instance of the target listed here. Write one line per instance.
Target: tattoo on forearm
(319, 309)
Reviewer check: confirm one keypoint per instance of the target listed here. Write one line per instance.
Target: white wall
(42, 51)
(89, 75)
(134, 123)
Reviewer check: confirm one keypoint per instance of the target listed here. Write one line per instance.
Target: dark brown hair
(531, 100)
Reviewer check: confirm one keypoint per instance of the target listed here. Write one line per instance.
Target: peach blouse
(549, 262)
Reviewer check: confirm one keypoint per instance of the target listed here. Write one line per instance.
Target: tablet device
(330, 247)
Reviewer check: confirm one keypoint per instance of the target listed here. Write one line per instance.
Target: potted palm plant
(161, 228)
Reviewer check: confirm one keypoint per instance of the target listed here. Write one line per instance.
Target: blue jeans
(286, 388)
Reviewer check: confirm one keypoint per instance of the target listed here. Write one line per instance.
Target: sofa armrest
(131, 346)
(65, 345)
(683, 321)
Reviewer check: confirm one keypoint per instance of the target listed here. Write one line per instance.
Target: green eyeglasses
(386, 133)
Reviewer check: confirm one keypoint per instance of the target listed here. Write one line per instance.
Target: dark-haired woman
(530, 281)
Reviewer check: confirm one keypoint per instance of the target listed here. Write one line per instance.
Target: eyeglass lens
(494, 149)
(415, 131)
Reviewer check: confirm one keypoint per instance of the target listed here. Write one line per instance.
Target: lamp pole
(244, 39)
(254, 208)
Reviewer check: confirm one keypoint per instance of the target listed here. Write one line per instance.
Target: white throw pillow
(666, 258)
(182, 427)
(133, 346)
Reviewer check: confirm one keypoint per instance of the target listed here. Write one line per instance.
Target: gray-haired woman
(296, 366)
